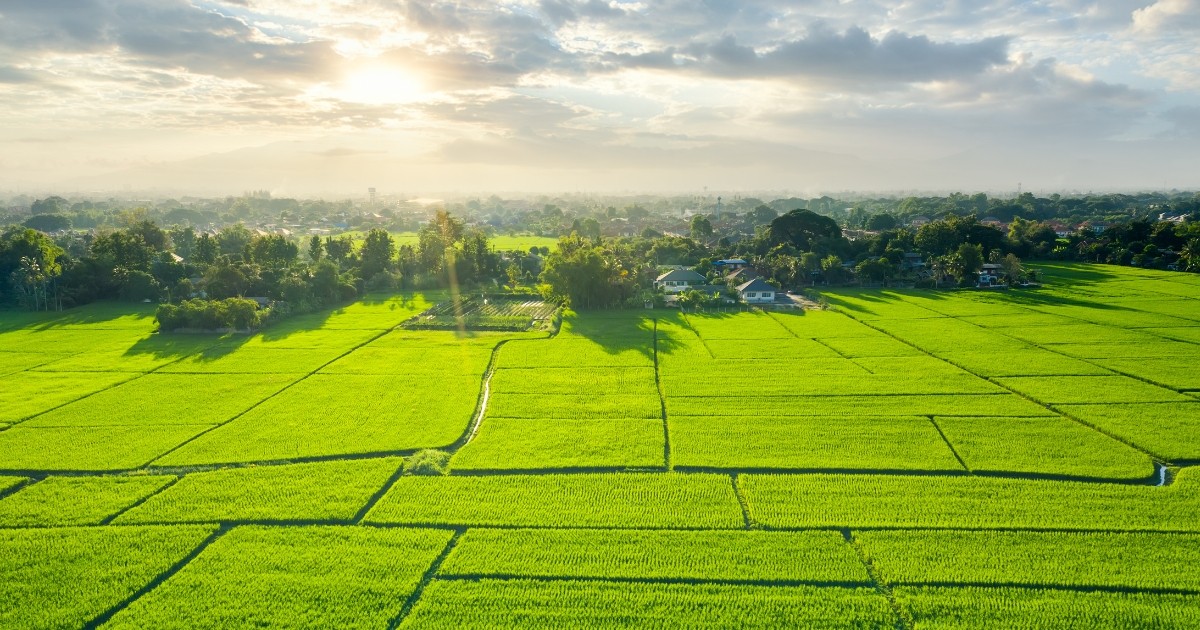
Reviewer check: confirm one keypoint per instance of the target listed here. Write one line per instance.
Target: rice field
(904, 459)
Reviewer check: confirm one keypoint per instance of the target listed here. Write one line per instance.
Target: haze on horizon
(306, 96)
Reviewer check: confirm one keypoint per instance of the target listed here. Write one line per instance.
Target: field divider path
(115, 515)
(662, 404)
(379, 494)
(616, 579)
(107, 615)
(902, 620)
(285, 388)
(687, 323)
(24, 483)
(1155, 458)
(743, 502)
(411, 602)
(481, 404)
(948, 444)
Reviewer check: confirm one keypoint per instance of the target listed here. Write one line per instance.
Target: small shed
(756, 291)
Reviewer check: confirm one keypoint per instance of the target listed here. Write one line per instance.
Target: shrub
(429, 462)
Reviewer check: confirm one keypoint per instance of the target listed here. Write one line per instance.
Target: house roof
(745, 273)
(681, 275)
(757, 284)
(730, 261)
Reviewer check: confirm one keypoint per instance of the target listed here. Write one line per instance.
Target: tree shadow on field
(614, 331)
(94, 315)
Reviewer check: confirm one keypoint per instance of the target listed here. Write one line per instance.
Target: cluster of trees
(230, 313)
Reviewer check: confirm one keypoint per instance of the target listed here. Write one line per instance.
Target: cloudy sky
(806, 96)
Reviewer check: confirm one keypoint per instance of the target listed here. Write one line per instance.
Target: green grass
(462, 605)
(935, 608)
(90, 448)
(969, 502)
(1136, 560)
(332, 414)
(63, 578)
(167, 399)
(327, 490)
(61, 501)
(524, 444)
(313, 577)
(850, 443)
(1042, 445)
(1169, 430)
(822, 557)
(578, 500)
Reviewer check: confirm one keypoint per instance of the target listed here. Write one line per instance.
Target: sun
(380, 85)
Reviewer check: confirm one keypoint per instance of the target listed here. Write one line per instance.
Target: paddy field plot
(990, 459)
(344, 577)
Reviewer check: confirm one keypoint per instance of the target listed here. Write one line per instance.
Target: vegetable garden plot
(580, 500)
(739, 327)
(414, 361)
(337, 414)
(62, 578)
(844, 443)
(572, 352)
(443, 339)
(522, 444)
(1050, 445)
(1089, 389)
(824, 324)
(468, 312)
(59, 501)
(464, 604)
(1023, 362)
(814, 556)
(897, 405)
(29, 393)
(326, 490)
(318, 577)
(892, 501)
(1169, 430)
(577, 381)
(231, 359)
(1093, 559)
(578, 406)
(937, 608)
(167, 399)
(90, 448)
(1176, 373)
(790, 349)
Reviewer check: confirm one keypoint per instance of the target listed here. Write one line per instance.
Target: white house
(756, 291)
(679, 280)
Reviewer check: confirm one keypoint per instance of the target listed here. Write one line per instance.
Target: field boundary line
(415, 596)
(903, 622)
(481, 402)
(949, 445)
(1079, 588)
(1153, 457)
(21, 485)
(743, 501)
(107, 615)
(115, 515)
(379, 494)
(256, 405)
(471, 577)
(662, 404)
(704, 343)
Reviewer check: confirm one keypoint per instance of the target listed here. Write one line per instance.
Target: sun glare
(380, 85)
